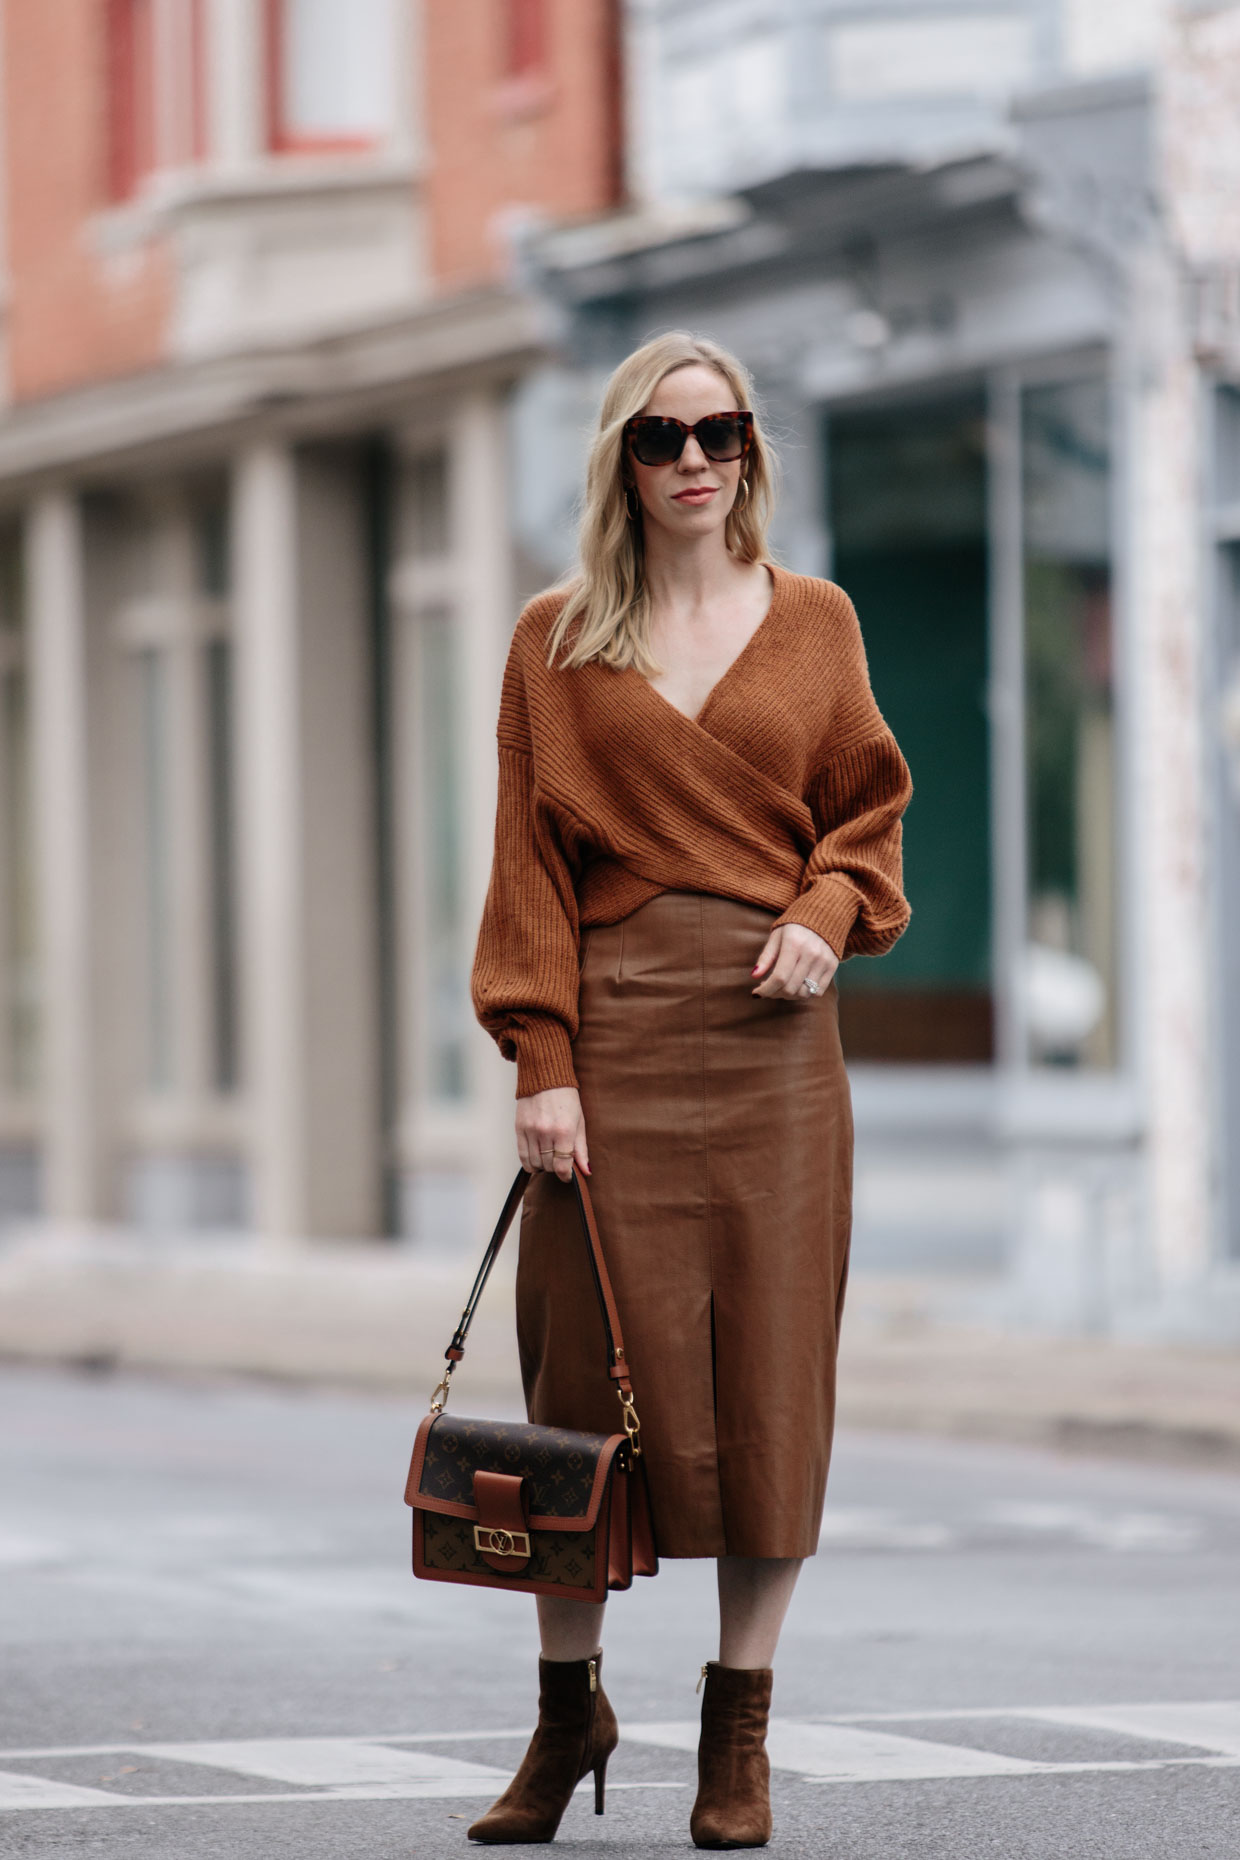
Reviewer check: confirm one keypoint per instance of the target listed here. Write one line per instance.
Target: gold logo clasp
(501, 1543)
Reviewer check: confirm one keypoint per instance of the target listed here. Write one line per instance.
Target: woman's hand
(794, 955)
(551, 1132)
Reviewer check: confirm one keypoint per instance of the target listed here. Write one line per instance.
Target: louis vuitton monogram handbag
(511, 1505)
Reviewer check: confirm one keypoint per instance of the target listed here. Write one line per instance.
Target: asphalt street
(211, 1645)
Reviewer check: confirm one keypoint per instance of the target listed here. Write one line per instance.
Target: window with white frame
(175, 625)
(1069, 724)
(426, 679)
(331, 73)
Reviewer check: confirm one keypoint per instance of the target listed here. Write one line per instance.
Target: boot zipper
(701, 1682)
(591, 1706)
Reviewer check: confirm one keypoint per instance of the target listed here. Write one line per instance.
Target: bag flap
(565, 1473)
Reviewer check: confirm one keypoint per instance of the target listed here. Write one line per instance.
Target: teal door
(907, 495)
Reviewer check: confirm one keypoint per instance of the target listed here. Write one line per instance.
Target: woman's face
(692, 496)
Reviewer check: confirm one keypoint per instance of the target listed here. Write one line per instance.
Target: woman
(699, 817)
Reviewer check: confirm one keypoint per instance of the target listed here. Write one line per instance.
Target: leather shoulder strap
(617, 1363)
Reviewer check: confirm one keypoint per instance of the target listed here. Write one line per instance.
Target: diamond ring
(810, 986)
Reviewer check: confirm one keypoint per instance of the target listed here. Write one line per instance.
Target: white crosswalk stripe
(330, 1762)
(18, 1791)
(853, 1749)
(1214, 1726)
(847, 1753)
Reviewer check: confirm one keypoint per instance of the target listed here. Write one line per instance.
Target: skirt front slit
(720, 1136)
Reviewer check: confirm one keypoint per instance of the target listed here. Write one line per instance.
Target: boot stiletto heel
(576, 1734)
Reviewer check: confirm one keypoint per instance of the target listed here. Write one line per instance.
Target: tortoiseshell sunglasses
(659, 441)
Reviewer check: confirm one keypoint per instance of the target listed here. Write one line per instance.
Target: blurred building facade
(306, 311)
(982, 259)
(259, 337)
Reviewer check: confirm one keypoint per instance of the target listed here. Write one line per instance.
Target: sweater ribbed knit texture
(787, 790)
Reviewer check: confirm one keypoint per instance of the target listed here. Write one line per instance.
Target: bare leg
(570, 1630)
(754, 1593)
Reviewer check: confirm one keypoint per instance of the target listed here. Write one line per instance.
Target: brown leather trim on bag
(620, 1538)
(645, 1553)
(452, 1508)
(595, 1591)
(502, 1533)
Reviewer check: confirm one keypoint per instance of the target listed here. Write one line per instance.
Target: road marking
(853, 1527)
(843, 1749)
(1123, 1531)
(329, 1762)
(845, 1753)
(17, 1791)
(1214, 1726)
(856, 1528)
(20, 1552)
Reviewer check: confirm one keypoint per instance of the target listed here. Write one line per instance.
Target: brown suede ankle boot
(577, 1732)
(733, 1807)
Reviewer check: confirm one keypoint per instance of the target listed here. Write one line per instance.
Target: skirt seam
(710, 1237)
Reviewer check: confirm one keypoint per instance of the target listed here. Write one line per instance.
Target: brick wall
(77, 311)
(91, 294)
(547, 138)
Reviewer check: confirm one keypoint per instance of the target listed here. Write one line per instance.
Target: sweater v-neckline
(725, 676)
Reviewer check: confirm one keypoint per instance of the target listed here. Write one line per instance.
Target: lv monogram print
(558, 1464)
(563, 1557)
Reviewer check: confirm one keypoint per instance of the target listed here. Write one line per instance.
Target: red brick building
(260, 343)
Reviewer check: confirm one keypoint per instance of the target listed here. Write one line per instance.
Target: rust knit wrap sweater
(786, 790)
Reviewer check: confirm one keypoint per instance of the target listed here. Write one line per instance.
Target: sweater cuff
(544, 1055)
(828, 906)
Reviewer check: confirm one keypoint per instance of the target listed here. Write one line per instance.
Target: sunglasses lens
(657, 442)
(721, 438)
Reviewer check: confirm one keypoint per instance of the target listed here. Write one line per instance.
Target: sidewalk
(378, 1316)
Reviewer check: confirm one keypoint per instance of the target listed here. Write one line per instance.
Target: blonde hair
(608, 602)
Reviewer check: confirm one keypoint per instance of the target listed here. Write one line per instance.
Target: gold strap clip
(632, 1426)
(439, 1395)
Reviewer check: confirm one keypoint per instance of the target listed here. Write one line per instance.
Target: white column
(480, 531)
(1170, 946)
(270, 830)
(236, 72)
(57, 621)
(408, 136)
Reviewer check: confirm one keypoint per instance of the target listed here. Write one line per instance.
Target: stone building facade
(983, 262)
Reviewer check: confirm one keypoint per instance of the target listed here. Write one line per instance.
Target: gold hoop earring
(633, 509)
(737, 505)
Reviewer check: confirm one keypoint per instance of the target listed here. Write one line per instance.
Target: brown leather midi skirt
(720, 1135)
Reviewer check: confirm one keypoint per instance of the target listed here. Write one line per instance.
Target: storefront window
(444, 1000)
(430, 934)
(221, 854)
(1069, 981)
(908, 502)
(213, 575)
(19, 978)
(153, 687)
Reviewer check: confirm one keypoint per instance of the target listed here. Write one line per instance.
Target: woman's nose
(693, 458)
